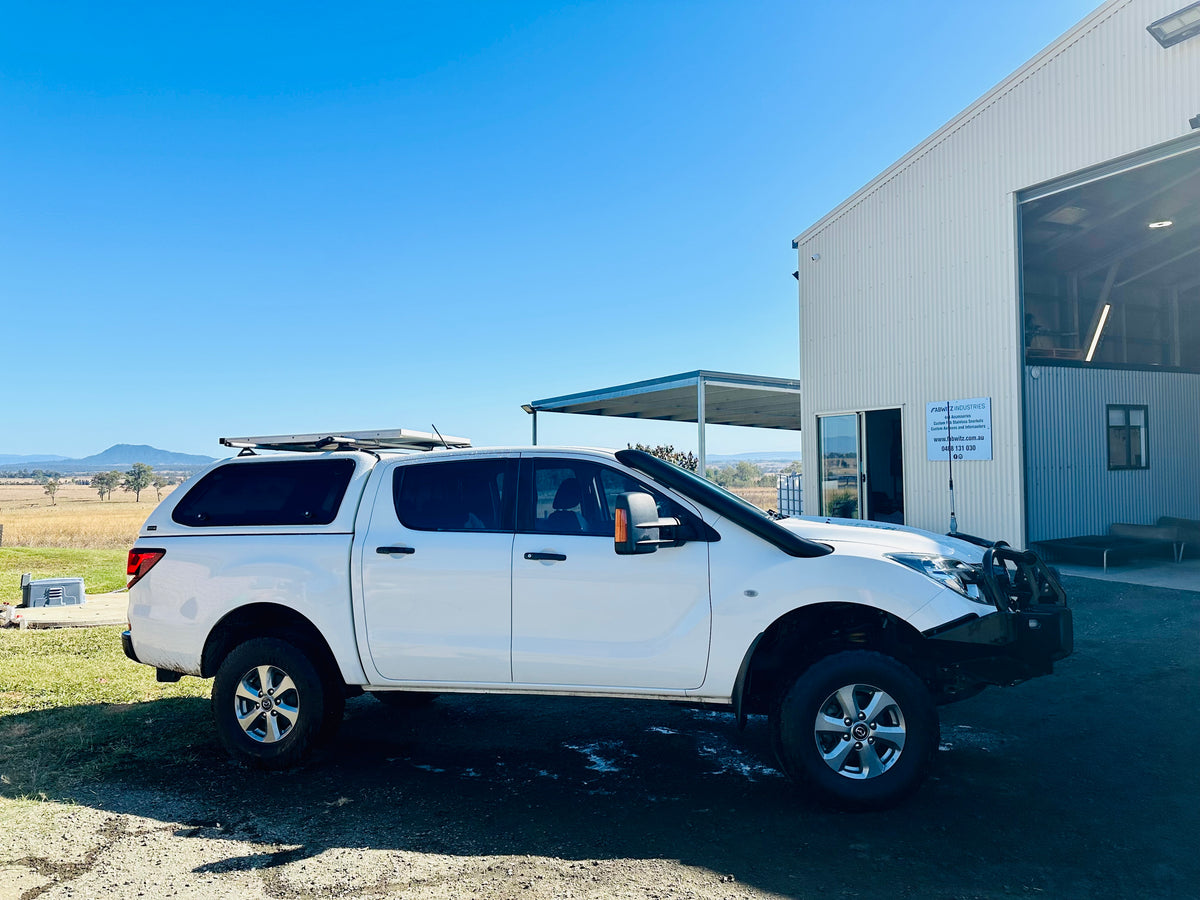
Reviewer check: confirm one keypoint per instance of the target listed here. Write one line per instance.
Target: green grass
(73, 709)
(101, 570)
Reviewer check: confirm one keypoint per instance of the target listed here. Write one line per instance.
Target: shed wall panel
(1071, 489)
(915, 295)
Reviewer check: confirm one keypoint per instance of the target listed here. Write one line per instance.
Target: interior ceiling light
(1178, 26)
(1165, 223)
(1099, 331)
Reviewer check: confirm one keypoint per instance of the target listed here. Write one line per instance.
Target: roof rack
(388, 439)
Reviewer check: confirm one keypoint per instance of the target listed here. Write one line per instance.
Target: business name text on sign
(969, 435)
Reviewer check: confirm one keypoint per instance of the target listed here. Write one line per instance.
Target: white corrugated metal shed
(910, 289)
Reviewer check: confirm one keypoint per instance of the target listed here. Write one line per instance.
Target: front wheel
(270, 704)
(858, 728)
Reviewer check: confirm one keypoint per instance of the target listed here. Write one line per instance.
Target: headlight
(951, 573)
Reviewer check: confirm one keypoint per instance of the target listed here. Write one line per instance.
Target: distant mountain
(845, 444)
(784, 456)
(118, 456)
(128, 454)
(769, 462)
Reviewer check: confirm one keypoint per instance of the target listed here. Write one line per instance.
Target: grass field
(101, 570)
(77, 518)
(72, 705)
(762, 497)
(78, 536)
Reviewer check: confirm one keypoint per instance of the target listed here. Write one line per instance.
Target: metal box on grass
(51, 591)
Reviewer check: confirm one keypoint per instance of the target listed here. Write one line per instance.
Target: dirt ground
(1082, 784)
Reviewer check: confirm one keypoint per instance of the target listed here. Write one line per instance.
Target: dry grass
(762, 497)
(77, 518)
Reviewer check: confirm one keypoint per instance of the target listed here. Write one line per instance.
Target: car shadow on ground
(1058, 787)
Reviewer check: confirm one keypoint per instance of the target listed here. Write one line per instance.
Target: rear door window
(293, 492)
(468, 495)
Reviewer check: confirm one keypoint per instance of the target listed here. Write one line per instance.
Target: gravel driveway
(1078, 785)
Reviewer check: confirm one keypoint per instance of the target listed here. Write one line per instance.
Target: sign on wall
(969, 428)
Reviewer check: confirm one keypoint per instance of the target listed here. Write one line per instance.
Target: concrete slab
(1182, 576)
(99, 609)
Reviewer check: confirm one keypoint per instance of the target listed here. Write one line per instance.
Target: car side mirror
(637, 525)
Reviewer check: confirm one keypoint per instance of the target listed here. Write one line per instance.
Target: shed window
(1127, 437)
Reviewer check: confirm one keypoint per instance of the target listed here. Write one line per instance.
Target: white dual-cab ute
(313, 567)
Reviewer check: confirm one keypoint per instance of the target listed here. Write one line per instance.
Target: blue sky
(276, 217)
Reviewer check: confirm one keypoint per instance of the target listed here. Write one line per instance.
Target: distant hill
(784, 456)
(128, 454)
(118, 456)
(16, 459)
(769, 461)
(845, 444)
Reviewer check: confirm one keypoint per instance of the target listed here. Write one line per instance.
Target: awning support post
(703, 473)
(528, 407)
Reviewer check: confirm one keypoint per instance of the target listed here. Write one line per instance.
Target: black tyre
(405, 699)
(271, 705)
(858, 729)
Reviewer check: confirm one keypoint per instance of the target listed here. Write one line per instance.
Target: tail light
(141, 561)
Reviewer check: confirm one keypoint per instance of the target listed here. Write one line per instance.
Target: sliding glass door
(841, 471)
(862, 466)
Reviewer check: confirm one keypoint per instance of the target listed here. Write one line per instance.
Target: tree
(105, 483)
(137, 479)
(51, 488)
(744, 474)
(670, 454)
(160, 482)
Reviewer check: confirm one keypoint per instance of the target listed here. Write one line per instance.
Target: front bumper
(1006, 647)
(1031, 629)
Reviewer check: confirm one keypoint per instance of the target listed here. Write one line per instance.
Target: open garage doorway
(862, 469)
(1110, 264)
(1110, 320)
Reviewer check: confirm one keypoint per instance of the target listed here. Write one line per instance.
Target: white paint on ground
(964, 737)
(729, 759)
(597, 762)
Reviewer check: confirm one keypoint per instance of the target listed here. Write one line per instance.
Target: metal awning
(704, 397)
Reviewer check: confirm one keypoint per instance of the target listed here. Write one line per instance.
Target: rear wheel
(858, 728)
(271, 705)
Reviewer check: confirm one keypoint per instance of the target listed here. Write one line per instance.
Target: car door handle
(556, 557)
(395, 550)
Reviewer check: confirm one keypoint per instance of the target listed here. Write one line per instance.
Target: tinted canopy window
(471, 495)
(299, 492)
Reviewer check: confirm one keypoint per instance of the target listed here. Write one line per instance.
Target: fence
(790, 495)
